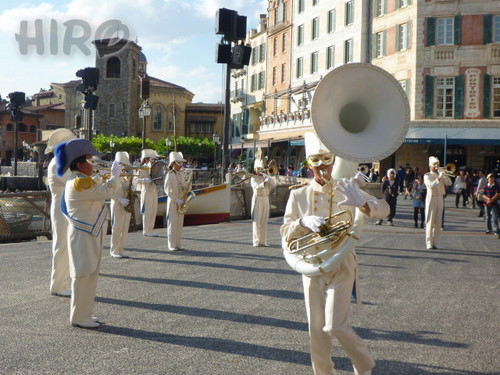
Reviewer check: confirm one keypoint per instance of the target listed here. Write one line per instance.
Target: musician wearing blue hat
(84, 206)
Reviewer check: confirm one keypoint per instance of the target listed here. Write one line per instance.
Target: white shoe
(118, 256)
(151, 235)
(66, 293)
(86, 325)
(94, 318)
(173, 249)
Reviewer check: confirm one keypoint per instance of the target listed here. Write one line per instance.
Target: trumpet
(449, 169)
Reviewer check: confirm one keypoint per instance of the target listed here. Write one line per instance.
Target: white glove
(313, 222)
(360, 179)
(124, 202)
(351, 192)
(116, 169)
(441, 174)
(179, 201)
(266, 179)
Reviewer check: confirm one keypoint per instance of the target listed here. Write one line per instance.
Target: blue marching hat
(68, 151)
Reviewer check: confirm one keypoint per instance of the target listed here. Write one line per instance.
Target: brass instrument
(361, 114)
(186, 199)
(268, 172)
(449, 169)
(131, 195)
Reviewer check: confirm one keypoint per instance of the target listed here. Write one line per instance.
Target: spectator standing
(289, 170)
(490, 195)
(400, 178)
(460, 188)
(390, 190)
(419, 192)
(408, 182)
(481, 183)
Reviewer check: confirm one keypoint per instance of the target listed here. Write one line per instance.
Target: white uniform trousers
(328, 305)
(433, 220)
(149, 205)
(59, 279)
(260, 218)
(120, 222)
(175, 223)
(83, 290)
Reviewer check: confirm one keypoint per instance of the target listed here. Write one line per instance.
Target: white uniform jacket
(313, 199)
(174, 186)
(84, 205)
(436, 188)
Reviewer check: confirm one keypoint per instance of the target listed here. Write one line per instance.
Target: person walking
(390, 188)
(481, 183)
(435, 182)
(174, 187)
(59, 279)
(120, 217)
(149, 193)
(262, 185)
(491, 194)
(418, 202)
(84, 205)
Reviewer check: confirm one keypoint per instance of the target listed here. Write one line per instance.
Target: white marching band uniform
(59, 280)
(149, 195)
(434, 204)
(328, 296)
(120, 218)
(261, 186)
(174, 186)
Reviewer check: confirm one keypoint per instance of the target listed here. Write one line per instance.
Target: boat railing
(24, 216)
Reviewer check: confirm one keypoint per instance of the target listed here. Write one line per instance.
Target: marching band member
(84, 206)
(435, 181)
(261, 185)
(149, 193)
(120, 218)
(328, 296)
(59, 281)
(174, 186)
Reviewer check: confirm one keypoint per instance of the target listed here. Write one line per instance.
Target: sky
(177, 37)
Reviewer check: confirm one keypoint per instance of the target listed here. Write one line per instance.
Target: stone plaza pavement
(224, 307)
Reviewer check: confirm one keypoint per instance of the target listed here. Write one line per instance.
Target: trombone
(268, 172)
(449, 169)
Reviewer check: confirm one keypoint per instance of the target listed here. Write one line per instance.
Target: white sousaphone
(361, 113)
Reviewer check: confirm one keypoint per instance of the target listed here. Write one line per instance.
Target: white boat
(211, 205)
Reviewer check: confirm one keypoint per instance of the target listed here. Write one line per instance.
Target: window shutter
(384, 43)
(459, 97)
(487, 96)
(457, 22)
(487, 28)
(429, 96)
(245, 121)
(409, 2)
(431, 31)
(374, 46)
(407, 84)
(408, 31)
(397, 44)
(384, 6)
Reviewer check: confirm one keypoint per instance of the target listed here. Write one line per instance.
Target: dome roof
(142, 57)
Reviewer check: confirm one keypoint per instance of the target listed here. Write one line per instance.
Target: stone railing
(290, 119)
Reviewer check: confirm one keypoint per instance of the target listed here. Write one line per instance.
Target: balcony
(237, 95)
(281, 121)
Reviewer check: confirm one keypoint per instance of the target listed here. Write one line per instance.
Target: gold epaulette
(83, 183)
(302, 184)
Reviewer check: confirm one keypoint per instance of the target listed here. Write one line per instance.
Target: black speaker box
(225, 20)
(241, 56)
(241, 28)
(223, 53)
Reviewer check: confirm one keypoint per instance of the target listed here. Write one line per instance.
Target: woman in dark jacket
(390, 191)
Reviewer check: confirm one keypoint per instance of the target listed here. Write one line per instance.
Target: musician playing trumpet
(120, 218)
(328, 296)
(262, 184)
(174, 187)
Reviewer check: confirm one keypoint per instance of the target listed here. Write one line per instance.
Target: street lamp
(144, 113)
(168, 142)
(112, 146)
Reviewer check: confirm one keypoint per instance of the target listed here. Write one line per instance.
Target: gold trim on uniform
(84, 183)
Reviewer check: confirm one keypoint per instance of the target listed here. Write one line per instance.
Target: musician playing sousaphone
(175, 187)
(328, 295)
(149, 193)
(262, 184)
(120, 217)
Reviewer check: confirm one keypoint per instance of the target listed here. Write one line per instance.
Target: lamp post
(144, 113)
(168, 142)
(112, 146)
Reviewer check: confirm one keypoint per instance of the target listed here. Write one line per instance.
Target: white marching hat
(314, 146)
(175, 156)
(148, 153)
(123, 157)
(57, 137)
(433, 161)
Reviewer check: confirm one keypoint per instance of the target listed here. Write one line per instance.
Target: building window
(157, 118)
(301, 6)
(315, 28)
(348, 50)
(280, 13)
(402, 3)
(283, 46)
(113, 67)
(315, 2)
(379, 8)
(262, 52)
(444, 31)
(111, 110)
(330, 57)
(402, 42)
(262, 77)
(496, 29)
(275, 46)
(299, 67)
(283, 73)
(445, 94)
(314, 62)
(202, 127)
(379, 49)
(331, 21)
(496, 96)
(349, 13)
(275, 75)
(255, 55)
(253, 82)
(300, 35)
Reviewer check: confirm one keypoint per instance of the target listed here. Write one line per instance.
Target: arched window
(113, 67)
(32, 129)
(157, 118)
